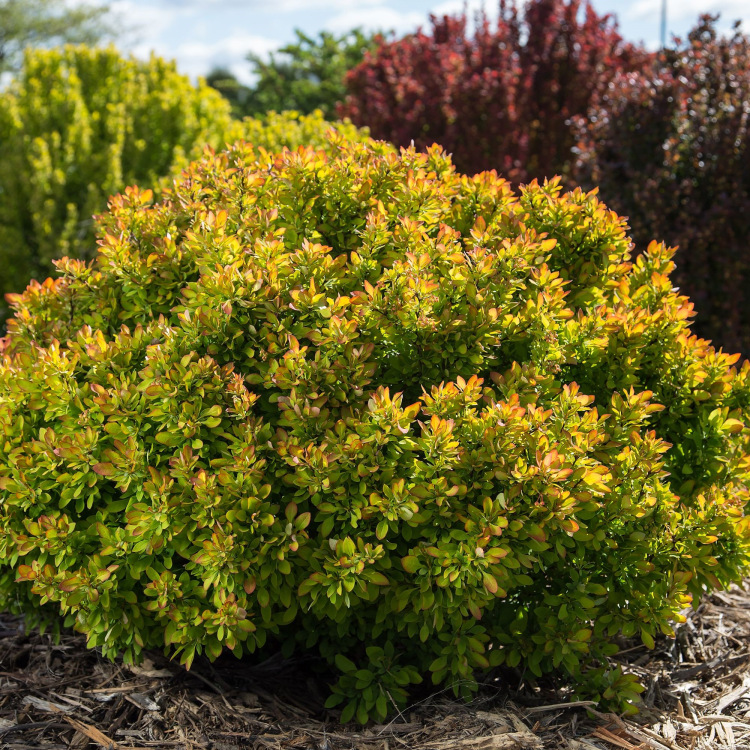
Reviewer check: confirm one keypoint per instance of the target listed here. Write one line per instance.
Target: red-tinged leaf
(550, 458)
(682, 576)
(302, 521)
(733, 425)
(249, 585)
(26, 573)
(104, 469)
(536, 532)
(495, 554)
(306, 586)
(489, 583)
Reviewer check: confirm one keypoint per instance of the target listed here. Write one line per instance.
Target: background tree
(226, 83)
(47, 22)
(499, 98)
(308, 74)
(670, 148)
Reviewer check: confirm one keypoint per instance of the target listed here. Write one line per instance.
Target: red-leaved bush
(669, 148)
(500, 96)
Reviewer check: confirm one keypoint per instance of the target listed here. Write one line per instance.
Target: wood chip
(560, 706)
(142, 701)
(92, 733)
(603, 733)
(47, 706)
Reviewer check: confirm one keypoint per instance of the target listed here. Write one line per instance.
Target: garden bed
(65, 696)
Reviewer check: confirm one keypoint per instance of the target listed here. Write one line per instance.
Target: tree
(499, 98)
(77, 125)
(308, 74)
(670, 148)
(226, 83)
(25, 23)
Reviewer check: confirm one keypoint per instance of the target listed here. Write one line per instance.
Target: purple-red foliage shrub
(500, 96)
(669, 148)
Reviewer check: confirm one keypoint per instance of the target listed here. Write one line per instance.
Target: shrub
(500, 98)
(359, 404)
(81, 124)
(671, 149)
(275, 131)
(78, 125)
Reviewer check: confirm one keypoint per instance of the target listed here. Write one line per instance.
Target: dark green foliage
(226, 83)
(306, 75)
(351, 401)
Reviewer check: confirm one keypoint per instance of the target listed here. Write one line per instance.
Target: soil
(64, 696)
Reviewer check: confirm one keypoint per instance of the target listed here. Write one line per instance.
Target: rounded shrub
(354, 402)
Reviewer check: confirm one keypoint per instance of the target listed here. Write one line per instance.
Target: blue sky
(201, 34)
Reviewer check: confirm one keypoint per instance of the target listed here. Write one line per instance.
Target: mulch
(63, 696)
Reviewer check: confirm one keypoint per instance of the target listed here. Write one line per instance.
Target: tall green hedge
(77, 125)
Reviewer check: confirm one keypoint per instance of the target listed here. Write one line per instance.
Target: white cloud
(279, 6)
(472, 7)
(155, 25)
(198, 58)
(687, 10)
(143, 20)
(340, 5)
(376, 19)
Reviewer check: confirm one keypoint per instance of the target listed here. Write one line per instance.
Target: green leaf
(410, 564)
(345, 665)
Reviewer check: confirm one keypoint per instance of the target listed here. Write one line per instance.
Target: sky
(203, 34)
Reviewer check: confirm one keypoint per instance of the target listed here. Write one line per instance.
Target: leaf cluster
(352, 402)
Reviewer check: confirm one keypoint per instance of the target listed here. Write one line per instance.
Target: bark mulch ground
(65, 696)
